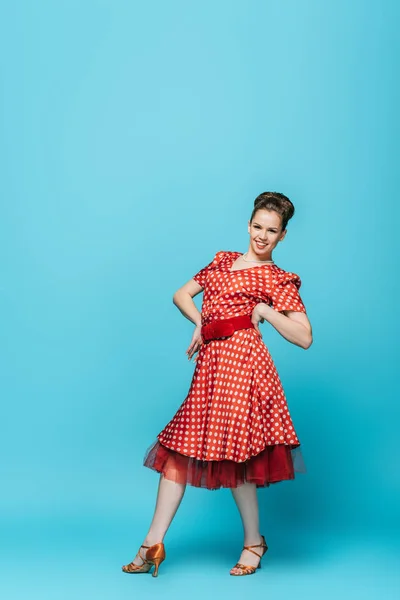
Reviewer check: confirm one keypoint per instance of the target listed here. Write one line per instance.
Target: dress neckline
(248, 268)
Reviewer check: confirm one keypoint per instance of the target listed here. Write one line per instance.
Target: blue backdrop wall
(134, 139)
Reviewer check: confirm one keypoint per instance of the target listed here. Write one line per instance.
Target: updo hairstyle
(277, 202)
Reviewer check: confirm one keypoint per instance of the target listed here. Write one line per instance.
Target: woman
(234, 428)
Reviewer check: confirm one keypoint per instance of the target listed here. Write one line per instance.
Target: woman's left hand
(256, 318)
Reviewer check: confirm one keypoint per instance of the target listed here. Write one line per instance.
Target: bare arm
(183, 299)
(292, 325)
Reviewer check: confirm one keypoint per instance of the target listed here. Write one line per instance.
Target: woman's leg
(169, 497)
(246, 500)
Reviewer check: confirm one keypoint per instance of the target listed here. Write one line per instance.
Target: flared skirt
(234, 425)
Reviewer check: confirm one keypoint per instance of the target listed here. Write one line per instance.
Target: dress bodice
(235, 293)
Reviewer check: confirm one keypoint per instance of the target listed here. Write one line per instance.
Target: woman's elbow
(178, 296)
(307, 342)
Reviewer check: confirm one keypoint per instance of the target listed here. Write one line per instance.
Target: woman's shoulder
(229, 252)
(225, 254)
(283, 276)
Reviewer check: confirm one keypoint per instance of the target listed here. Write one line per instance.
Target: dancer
(234, 428)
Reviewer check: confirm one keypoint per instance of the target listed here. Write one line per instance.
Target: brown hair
(277, 202)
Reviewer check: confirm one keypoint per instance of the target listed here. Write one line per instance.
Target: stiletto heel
(155, 555)
(247, 569)
(157, 562)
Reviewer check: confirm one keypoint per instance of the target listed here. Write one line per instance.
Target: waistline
(225, 327)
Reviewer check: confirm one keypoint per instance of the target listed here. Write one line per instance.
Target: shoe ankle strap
(262, 545)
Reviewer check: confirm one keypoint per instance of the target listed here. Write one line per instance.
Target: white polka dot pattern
(285, 295)
(236, 405)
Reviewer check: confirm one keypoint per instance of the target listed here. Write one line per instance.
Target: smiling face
(265, 233)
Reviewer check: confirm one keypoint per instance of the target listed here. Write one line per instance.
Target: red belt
(225, 327)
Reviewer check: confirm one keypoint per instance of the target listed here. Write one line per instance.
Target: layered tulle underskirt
(275, 463)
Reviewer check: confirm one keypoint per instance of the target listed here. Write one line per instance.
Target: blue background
(134, 139)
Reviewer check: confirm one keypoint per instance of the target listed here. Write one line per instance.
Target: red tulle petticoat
(273, 464)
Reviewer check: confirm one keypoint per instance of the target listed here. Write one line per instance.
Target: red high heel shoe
(154, 556)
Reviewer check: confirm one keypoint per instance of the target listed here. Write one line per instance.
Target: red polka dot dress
(234, 425)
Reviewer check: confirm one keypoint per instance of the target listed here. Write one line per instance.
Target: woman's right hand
(195, 343)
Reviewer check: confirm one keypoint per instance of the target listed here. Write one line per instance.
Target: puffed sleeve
(201, 276)
(285, 294)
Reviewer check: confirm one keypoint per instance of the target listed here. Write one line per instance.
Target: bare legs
(246, 500)
(169, 497)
